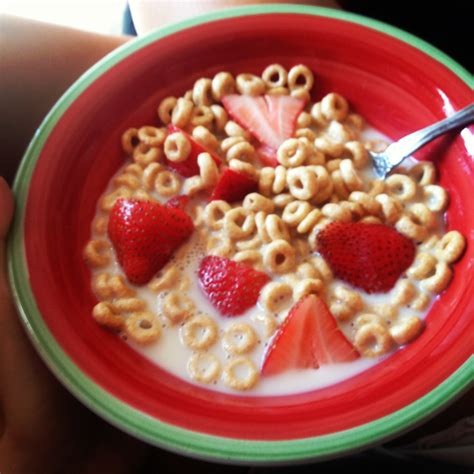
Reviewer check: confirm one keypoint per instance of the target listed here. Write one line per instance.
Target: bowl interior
(395, 86)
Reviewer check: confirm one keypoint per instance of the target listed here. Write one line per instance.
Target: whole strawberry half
(189, 167)
(145, 235)
(231, 287)
(233, 186)
(368, 256)
(308, 338)
(270, 118)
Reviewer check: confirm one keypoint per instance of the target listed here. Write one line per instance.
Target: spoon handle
(406, 146)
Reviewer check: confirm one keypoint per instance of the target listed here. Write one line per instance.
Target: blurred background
(447, 25)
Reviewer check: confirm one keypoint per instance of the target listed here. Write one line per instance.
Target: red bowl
(397, 82)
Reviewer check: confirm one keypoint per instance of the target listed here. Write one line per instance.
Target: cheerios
(143, 327)
(373, 340)
(275, 75)
(199, 332)
(238, 339)
(450, 247)
(204, 367)
(249, 84)
(97, 253)
(279, 256)
(177, 307)
(106, 315)
(240, 373)
(275, 296)
(300, 77)
(406, 330)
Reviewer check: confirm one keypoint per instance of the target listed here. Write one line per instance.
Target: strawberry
(145, 235)
(233, 186)
(368, 256)
(178, 202)
(189, 167)
(231, 287)
(267, 156)
(308, 337)
(271, 118)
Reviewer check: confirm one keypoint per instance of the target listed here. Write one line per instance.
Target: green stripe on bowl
(138, 423)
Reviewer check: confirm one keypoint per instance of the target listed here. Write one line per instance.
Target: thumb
(6, 214)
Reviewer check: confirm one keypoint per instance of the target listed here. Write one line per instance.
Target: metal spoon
(396, 152)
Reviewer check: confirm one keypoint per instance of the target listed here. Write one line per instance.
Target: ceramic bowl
(396, 81)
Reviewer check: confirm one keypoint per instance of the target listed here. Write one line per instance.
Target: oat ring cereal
(274, 76)
(167, 183)
(276, 295)
(214, 214)
(300, 77)
(152, 136)
(401, 187)
(177, 306)
(144, 154)
(108, 201)
(373, 339)
(130, 140)
(223, 84)
(240, 373)
(239, 223)
(143, 327)
(204, 367)
(199, 332)
(279, 256)
(292, 153)
(106, 315)
(423, 173)
(450, 247)
(334, 107)
(177, 147)
(302, 183)
(238, 339)
(406, 330)
(165, 109)
(249, 84)
(97, 253)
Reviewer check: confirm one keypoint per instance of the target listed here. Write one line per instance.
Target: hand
(43, 428)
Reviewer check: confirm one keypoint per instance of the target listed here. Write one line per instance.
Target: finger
(6, 214)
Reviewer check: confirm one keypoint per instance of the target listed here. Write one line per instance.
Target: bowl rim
(141, 425)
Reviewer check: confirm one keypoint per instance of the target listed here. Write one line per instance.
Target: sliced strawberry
(233, 186)
(189, 167)
(231, 287)
(270, 118)
(267, 156)
(145, 235)
(368, 256)
(309, 337)
(178, 202)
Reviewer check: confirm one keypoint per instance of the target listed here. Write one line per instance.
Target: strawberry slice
(233, 186)
(270, 118)
(145, 235)
(368, 256)
(189, 167)
(267, 156)
(178, 202)
(231, 287)
(309, 337)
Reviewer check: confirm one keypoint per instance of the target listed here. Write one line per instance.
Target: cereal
(204, 367)
(238, 339)
(199, 332)
(323, 174)
(143, 327)
(240, 373)
(223, 84)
